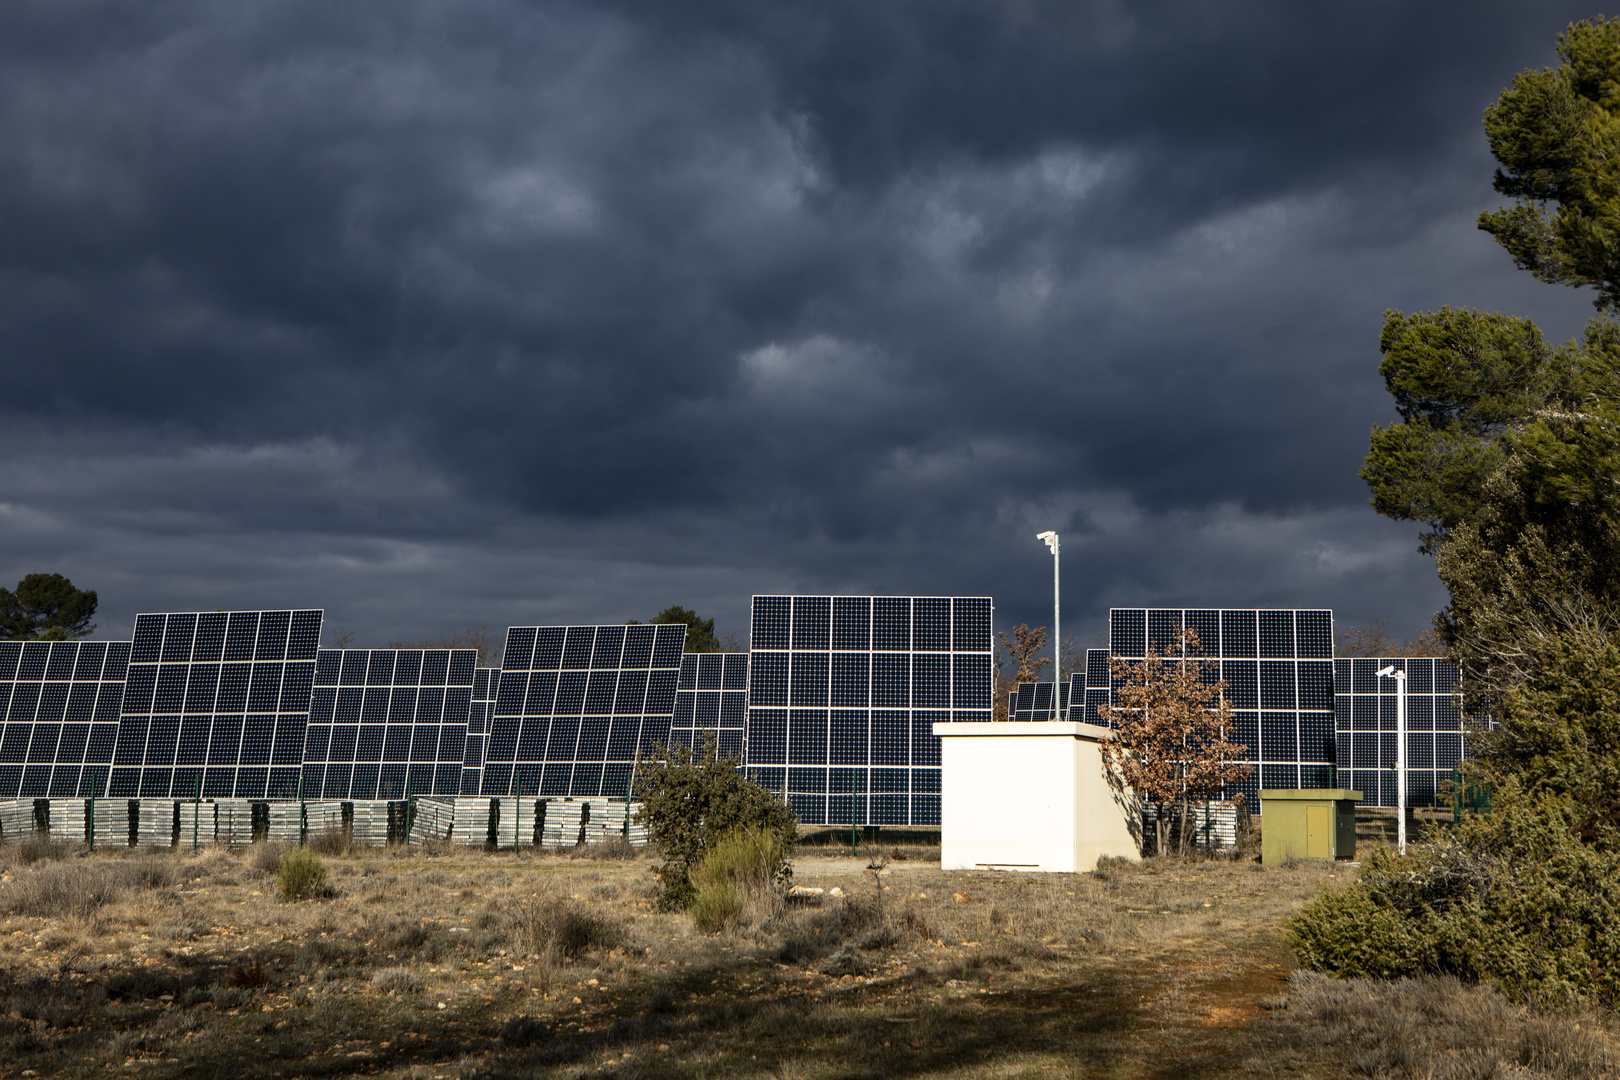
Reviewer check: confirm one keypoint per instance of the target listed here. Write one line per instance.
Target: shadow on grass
(745, 1017)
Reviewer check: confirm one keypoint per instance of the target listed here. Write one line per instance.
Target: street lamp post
(1051, 539)
(1400, 752)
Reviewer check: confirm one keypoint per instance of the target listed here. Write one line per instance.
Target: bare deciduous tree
(1021, 648)
(474, 637)
(1174, 729)
(1374, 639)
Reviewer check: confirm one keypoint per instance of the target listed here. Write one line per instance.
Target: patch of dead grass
(1123, 972)
(1438, 1027)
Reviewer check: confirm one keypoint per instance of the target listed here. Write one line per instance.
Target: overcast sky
(439, 315)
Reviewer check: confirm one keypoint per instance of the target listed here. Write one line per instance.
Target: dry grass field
(453, 964)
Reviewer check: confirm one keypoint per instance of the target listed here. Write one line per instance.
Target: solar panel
(843, 695)
(576, 705)
(1033, 701)
(1365, 726)
(388, 723)
(711, 702)
(216, 703)
(60, 703)
(1278, 668)
(486, 684)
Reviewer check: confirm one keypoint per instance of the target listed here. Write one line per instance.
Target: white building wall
(1030, 796)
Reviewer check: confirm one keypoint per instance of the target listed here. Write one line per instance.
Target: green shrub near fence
(690, 801)
(737, 877)
(1515, 898)
(301, 875)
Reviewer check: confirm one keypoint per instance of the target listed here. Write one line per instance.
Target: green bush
(738, 874)
(1515, 898)
(689, 801)
(716, 906)
(301, 875)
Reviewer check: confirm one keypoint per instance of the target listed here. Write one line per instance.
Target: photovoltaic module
(576, 705)
(831, 708)
(216, 703)
(843, 695)
(711, 702)
(60, 702)
(389, 723)
(1364, 713)
(1278, 668)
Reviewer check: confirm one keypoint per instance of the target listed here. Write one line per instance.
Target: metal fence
(472, 822)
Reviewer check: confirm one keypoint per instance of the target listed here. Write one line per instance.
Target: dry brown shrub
(814, 934)
(616, 847)
(396, 979)
(80, 888)
(245, 977)
(333, 841)
(36, 847)
(557, 928)
(267, 856)
(1440, 1027)
(522, 1031)
(916, 924)
(73, 937)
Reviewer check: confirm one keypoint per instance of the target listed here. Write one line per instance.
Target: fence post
(629, 790)
(517, 794)
(852, 851)
(196, 811)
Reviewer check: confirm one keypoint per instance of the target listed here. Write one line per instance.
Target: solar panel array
(577, 704)
(1278, 668)
(216, 703)
(833, 706)
(1033, 701)
(1364, 708)
(388, 723)
(485, 683)
(843, 695)
(1091, 687)
(60, 704)
(711, 702)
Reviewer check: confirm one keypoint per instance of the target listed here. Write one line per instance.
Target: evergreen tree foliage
(1464, 382)
(1556, 134)
(1508, 450)
(691, 800)
(1516, 897)
(699, 631)
(46, 607)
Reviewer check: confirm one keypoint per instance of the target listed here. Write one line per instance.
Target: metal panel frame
(577, 705)
(844, 692)
(60, 703)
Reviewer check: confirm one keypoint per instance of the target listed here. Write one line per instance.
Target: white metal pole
(1051, 539)
(1400, 751)
(1400, 759)
(1057, 636)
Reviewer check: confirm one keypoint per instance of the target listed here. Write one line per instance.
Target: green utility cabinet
(1310, 823)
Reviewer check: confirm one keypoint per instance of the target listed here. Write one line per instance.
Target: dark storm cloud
(444, 314)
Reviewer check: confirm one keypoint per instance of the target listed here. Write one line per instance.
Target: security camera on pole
(1051, 539)
(1400, 752)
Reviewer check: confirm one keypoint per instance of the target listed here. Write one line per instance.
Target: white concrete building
(1031, 796)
